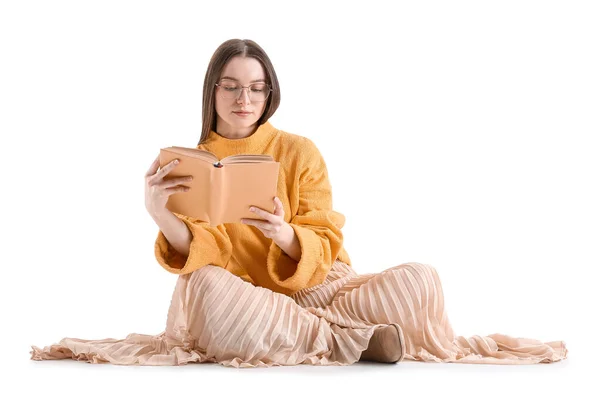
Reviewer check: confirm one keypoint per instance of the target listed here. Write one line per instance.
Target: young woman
(278, 288)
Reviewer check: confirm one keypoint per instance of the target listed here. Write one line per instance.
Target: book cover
(222, 191)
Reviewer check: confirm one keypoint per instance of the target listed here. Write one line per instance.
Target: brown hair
(227, 50)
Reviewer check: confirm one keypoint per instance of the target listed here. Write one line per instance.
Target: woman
(278, 288)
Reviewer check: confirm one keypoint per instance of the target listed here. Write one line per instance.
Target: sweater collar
(256, 142)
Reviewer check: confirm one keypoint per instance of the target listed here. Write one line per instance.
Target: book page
(194, 153)
(247, 158)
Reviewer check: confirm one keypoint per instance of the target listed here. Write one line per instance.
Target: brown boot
(385, 345)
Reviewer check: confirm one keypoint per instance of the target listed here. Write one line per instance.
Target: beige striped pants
(215, 316)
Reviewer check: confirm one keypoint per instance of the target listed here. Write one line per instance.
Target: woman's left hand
(274, 225)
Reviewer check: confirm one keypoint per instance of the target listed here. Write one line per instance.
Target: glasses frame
(247, 87)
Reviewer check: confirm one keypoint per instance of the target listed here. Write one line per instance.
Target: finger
(171, 191)
(265, 214)
(176, 181)
(248, 221)
(264, 225)
(278, 209)
(154, 166)
(158, 177)
(167, 168)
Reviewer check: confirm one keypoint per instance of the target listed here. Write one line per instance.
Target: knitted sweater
(305, 192)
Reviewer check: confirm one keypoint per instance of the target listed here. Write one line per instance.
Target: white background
(460, 134)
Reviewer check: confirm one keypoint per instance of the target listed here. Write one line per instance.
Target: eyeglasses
(258, 91)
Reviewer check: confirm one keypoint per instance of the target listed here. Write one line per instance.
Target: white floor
(76, 377)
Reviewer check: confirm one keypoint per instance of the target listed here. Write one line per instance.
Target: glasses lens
(229, 89)
(257, 92)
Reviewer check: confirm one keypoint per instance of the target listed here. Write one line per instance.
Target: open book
(222, 191)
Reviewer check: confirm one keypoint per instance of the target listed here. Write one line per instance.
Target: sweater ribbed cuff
(288, 273)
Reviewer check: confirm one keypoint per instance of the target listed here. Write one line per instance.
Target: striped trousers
(217, 317)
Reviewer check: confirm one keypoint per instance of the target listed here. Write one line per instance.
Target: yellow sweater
(305, 191)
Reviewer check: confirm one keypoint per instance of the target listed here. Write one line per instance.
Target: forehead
(243, 70)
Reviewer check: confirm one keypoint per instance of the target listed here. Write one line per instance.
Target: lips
(242, 112)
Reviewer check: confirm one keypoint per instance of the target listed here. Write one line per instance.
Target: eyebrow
(235, 79)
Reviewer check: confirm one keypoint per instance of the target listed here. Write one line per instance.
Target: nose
(244, 96)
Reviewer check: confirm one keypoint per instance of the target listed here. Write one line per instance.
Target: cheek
(262, 108)
(220, 106)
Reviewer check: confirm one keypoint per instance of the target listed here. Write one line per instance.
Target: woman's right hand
(159, 190)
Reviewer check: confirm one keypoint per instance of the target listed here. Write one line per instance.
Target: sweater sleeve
(210, 245)
(316, 225)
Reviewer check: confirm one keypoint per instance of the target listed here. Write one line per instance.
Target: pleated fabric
(217, 317)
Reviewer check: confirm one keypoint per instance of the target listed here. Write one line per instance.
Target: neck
(232, 132)
(255, 143)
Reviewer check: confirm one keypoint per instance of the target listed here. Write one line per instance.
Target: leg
(411, 295)
(238, 324)
(386, 343)
(215, 316)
